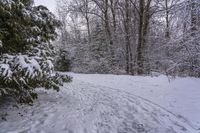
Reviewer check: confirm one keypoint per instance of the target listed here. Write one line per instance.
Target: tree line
(131, 36)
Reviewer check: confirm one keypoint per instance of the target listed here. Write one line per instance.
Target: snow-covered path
(87, 107)
(180, 95)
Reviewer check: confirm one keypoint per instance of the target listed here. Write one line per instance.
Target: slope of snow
(109, 104)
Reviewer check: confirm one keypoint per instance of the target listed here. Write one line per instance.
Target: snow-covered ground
(95, 103)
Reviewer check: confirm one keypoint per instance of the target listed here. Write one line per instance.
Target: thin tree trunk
(128, 50)
(127, 59)
(88, 29)
(129, 55)
(167, 33)
(140, 46)
(113, 14)
(86, 2)
(107, 26)
(131, 60)
(193, 17)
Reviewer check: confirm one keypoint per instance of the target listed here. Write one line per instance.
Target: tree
(135, 34)
(144, 16)
(194, 16)
(125, 11)
(26, 50)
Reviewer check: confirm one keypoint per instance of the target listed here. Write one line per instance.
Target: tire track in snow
(178, 116)
(82, 107)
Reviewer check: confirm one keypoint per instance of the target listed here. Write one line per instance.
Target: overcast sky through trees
(51, 4)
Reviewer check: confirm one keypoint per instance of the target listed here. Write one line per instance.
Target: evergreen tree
(26, 50)
(62, 61)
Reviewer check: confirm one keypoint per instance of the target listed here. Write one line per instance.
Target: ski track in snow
(82, 107)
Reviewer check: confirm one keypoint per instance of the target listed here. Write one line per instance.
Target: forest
(135, 37)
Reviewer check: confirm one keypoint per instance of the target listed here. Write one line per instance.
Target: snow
(5, 70)
(180, 95)
(29, 64)
(1, 45)
(95, 103)
(50, 64)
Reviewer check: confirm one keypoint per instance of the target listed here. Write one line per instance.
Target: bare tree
(125, 34)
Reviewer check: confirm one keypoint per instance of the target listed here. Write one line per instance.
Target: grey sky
(51, 4)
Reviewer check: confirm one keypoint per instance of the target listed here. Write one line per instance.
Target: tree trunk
(86, 2)
(112, 2)
(167, 33)
(144, 17)
(88, 28)
(146, 65)
(140, 47)
(129, 55)
(107, 27)
(193, 17)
